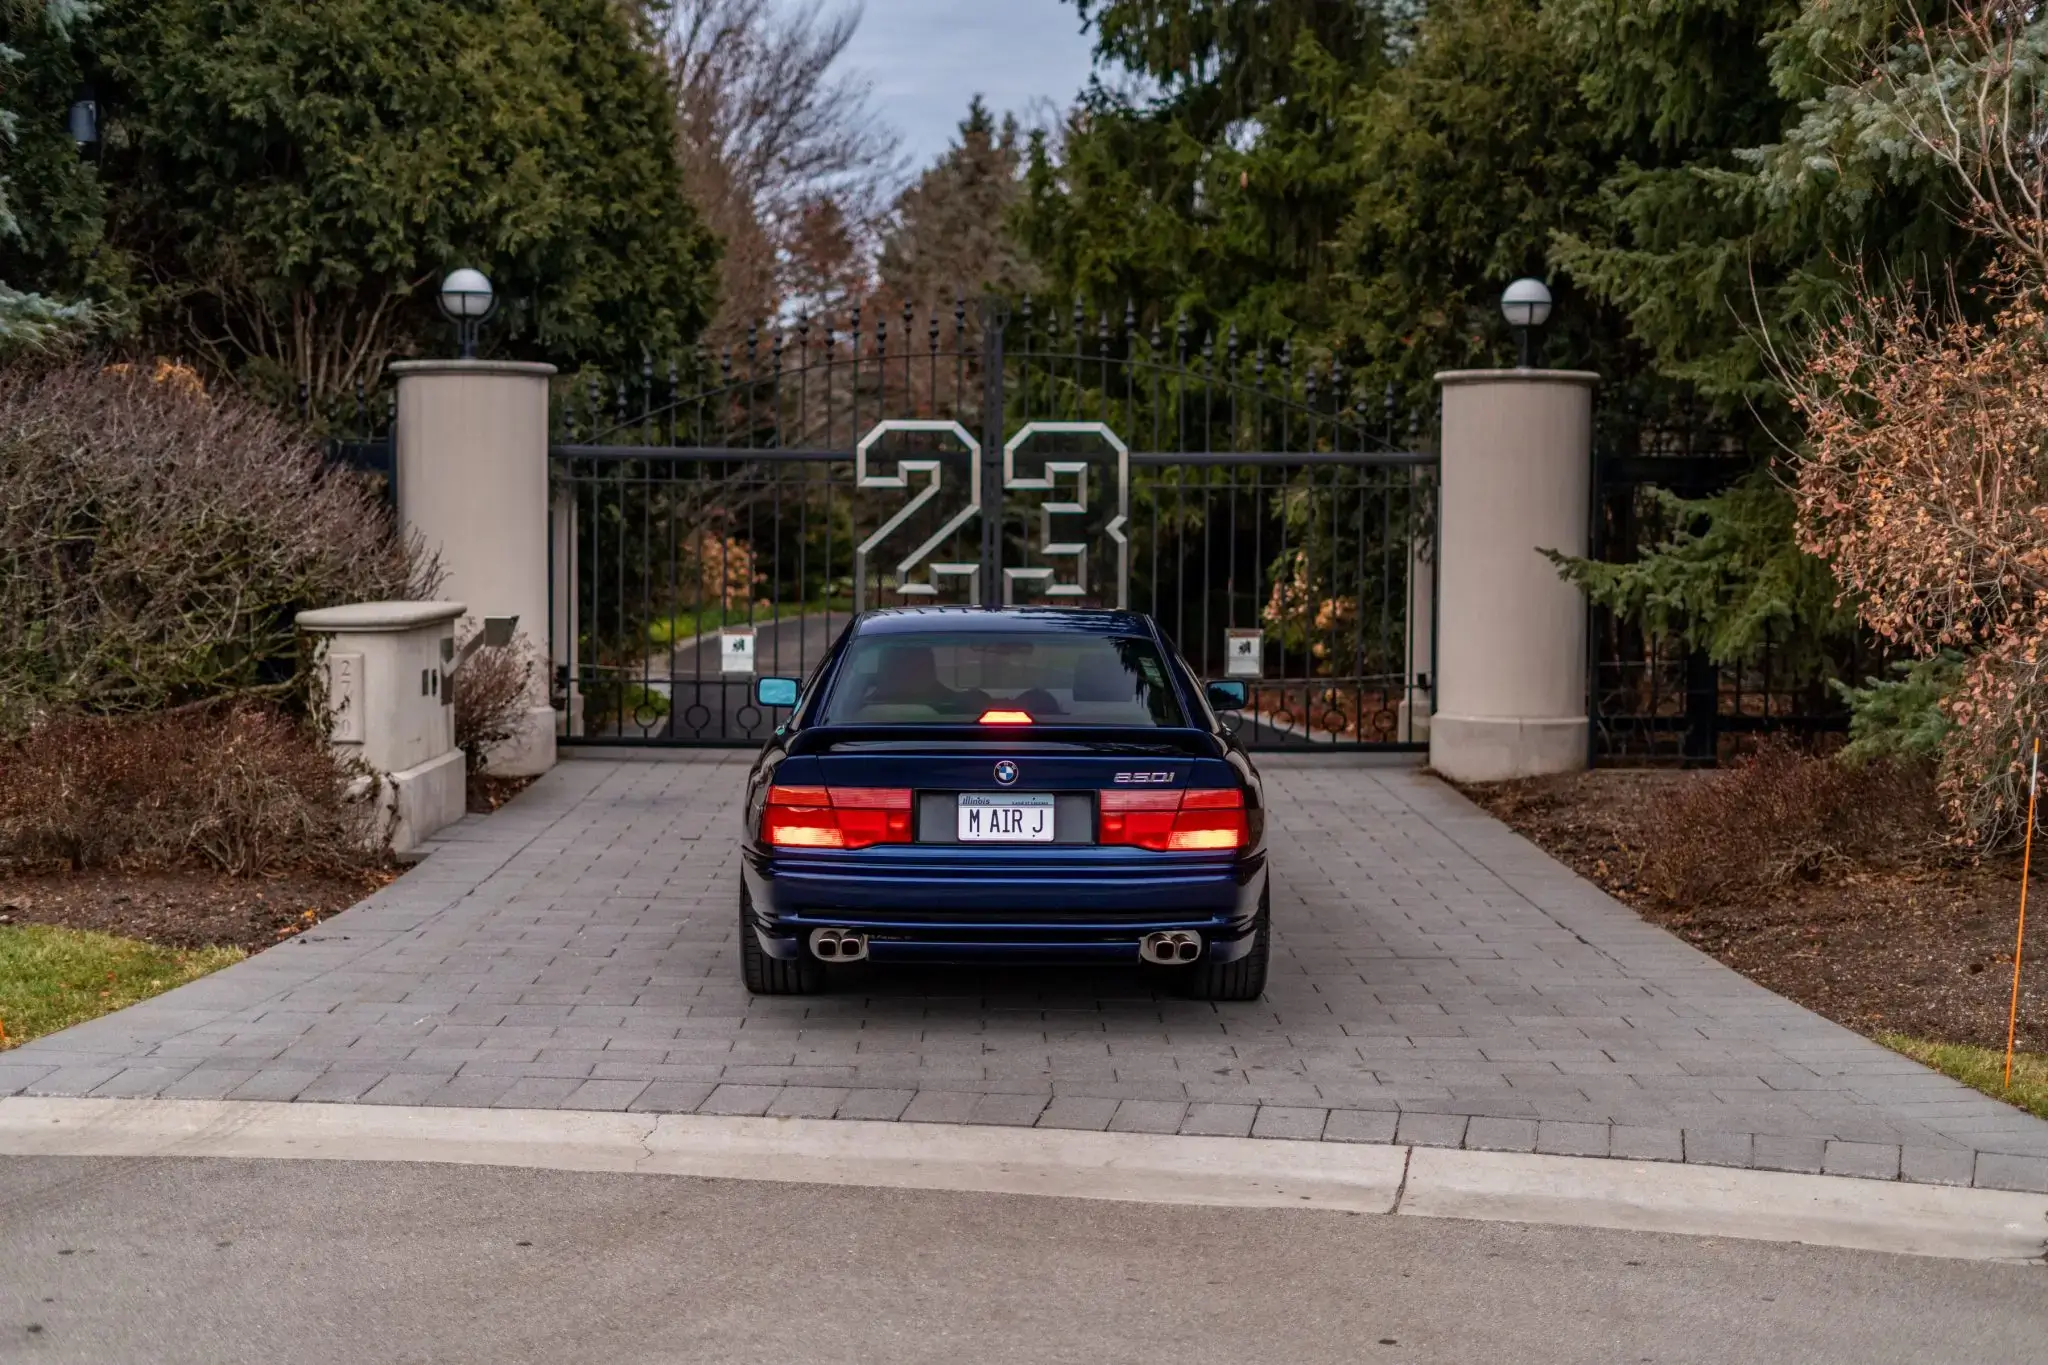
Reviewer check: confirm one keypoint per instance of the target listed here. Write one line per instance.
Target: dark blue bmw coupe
(957, 784)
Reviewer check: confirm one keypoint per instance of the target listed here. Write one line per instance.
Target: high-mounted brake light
(1006, 718)
(836, 817)
(1207, 820)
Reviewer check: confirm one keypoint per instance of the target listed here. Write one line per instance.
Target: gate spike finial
(753, 349)
(881, 335)
(1155, 338)
(959, 318)
(1336, 385)
(1230, 349)
(1130, 316)
(1308, 381)
(909, 318)
(1080, 321)
(1180, 338)
(725, 367)
(932, 332)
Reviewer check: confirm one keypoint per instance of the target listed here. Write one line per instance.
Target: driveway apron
(1436, 980)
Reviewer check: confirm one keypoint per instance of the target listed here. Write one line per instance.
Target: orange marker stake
(2012, 1018)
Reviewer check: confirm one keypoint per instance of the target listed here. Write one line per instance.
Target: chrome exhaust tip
(1173, 948)
(838, 945)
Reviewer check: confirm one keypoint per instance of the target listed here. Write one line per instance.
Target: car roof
(1002, 620)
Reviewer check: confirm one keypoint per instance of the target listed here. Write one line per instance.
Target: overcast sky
(927, 58)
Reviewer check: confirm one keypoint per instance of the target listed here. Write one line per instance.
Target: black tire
(765, 975)
(1244, 979)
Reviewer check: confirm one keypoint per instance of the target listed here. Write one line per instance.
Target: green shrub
(1900, 719)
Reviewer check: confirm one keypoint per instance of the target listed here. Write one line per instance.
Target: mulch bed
(184, 909)
(198, 909)
(486, 794)
(1925, 949)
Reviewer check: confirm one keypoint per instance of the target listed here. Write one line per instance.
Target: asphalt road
(116, 1260)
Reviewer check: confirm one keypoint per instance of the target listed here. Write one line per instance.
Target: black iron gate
(1254, 503)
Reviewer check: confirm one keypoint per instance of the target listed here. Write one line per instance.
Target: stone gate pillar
(1511, 634)
(473, 483)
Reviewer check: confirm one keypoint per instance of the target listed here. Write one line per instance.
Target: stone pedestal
(1511, 642)
(473, 484)
(387, 702)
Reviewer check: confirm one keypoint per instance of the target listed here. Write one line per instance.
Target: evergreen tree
(1471, 156)
(1722, 235)
(951, 232)
(1214, 178)
(294, 180)
(50, 202)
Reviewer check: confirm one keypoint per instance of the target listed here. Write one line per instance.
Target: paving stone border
(1437, 981)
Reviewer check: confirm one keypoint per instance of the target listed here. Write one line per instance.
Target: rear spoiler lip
(822, 739)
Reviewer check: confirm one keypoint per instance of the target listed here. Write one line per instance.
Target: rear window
(942, 678)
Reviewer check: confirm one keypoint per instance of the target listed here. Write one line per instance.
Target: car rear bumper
(938, 905)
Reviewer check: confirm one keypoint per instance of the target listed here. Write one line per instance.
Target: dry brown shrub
(493, 690)
(240, 789)
(156, 542)
(1779, 816)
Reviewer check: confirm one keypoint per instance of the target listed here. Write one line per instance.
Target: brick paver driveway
(1436, 980)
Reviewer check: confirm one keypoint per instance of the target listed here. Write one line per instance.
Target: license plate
(1005, 818)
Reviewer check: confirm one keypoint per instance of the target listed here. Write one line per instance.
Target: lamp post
(1526, 306)
(82, 120)
(467, 300)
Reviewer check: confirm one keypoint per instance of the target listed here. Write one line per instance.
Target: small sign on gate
(1244, 653)
(736, 649)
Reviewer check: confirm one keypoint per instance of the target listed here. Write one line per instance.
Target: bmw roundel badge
(1006, 772)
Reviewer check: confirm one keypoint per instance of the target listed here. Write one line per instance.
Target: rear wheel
(1244, 979)
(765, 975)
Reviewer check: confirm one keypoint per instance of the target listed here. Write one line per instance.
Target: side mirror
(775, 691)
(1226, 696)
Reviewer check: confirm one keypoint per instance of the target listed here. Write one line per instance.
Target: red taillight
(1170, 822)
(1006, 718)
(836, 817)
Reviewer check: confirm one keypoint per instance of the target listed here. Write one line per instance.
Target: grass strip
(1982, 1068)
(52, 978)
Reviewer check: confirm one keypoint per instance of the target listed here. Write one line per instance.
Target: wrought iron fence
(361, 436)
(1653, 700)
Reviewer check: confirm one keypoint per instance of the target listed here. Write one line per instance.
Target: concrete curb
(1771, 1206)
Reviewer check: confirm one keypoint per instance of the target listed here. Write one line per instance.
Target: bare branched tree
(777, 141)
